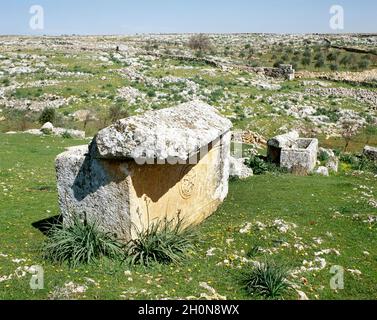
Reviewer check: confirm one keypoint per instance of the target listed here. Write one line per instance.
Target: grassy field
(319, 213)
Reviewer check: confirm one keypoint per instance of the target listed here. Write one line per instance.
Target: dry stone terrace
(126, 178)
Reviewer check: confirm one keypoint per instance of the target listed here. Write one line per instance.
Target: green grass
(320, 207)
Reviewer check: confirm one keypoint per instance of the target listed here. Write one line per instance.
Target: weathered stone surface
(238, 168)
(303, 154)
(173, 133)
(48, 126)
(124, 195)
(293, 153)
(370, 152)
(333, 164)
(323, 171)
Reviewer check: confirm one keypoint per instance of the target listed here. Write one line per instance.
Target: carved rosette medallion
(188, 181)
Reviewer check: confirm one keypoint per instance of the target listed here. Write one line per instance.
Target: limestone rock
(48, 126)
(238, 168)
(322, 171)
(285, 140)
(177, 133)
(333, 164)
(104, 183)
(293, 153)
(370, 152)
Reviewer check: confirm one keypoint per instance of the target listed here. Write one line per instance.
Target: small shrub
(5, 82)
(164, 242)
(47, 115)
(82, 242)
(257, 164)
(200, 42)
(66, 135)
(266, 279)
(117, 112)
(348, 158)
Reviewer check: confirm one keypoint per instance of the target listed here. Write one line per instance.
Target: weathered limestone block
(303, 155)
(370, 152)
(238, 168)
(129, 176)
(324, 171)
(291, 152)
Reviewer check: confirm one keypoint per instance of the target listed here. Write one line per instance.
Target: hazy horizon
(116, 17)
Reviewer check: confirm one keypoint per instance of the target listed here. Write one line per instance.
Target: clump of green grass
(83, 242)
(267, 279)
(164, 242)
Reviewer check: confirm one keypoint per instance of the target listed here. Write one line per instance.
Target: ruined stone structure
(293, 153)
(167, 163)
(284, 71)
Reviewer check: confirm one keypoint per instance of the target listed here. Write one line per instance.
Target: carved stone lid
(177, 132)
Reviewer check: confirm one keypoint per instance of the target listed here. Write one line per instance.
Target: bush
(200, 42)
(47, 115)
(257, 164)
(260, 166)
(80, 243)
(331, 113)
(266, 279)
(165, 241)
(66, 135)
(117, 112)
(334, 67)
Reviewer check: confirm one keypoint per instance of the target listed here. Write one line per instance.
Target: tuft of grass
(164, 242)
(267, 279)
(83, 242)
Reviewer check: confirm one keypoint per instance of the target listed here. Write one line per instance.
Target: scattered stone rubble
(49, 129)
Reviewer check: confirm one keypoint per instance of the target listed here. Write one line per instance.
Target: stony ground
(309, 223)
(84, 78)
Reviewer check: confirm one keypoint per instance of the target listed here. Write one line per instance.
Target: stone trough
(164, 164)
(293, 153)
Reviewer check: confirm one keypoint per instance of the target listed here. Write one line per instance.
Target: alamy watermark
(337, 281)
(337, 17)
(36, 22)
(37, 278)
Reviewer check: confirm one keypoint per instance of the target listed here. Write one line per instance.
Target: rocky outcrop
(370, 153)
(238, 169)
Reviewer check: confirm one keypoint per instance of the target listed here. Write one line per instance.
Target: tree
(334, 67)
(332, 56)
(47, 115)
(320, 63)
(349, 128)
(200, 42)
(306, 61)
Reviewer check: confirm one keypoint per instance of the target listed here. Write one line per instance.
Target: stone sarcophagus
(164, 164)
(292, 152)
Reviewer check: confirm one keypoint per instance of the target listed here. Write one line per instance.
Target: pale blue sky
(182, 16)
